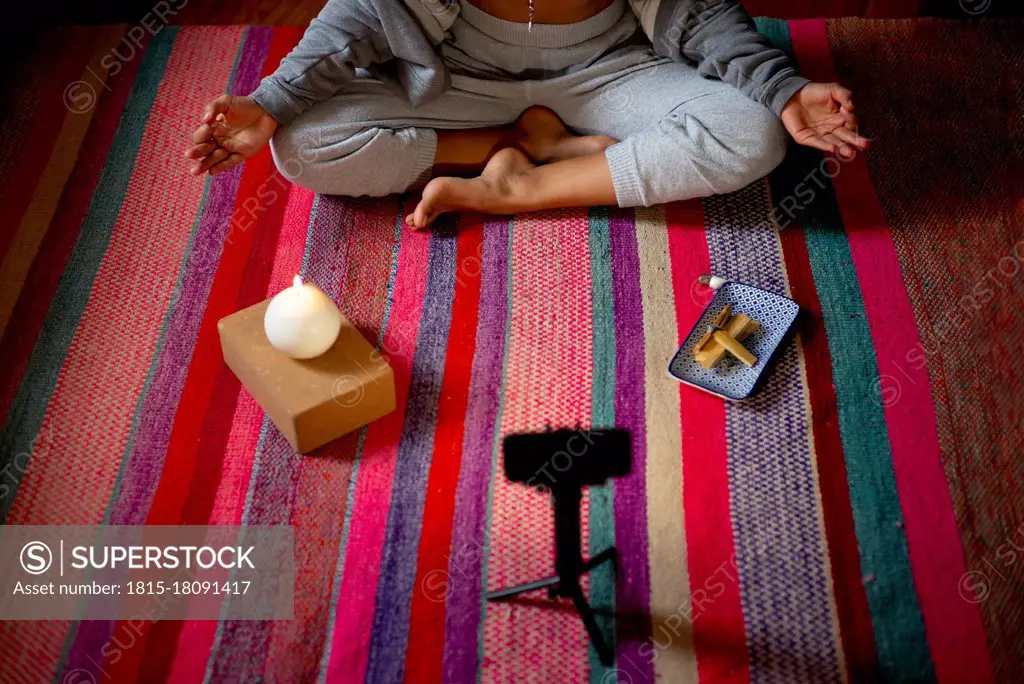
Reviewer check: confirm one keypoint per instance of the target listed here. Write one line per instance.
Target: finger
(218, 105)
(215, 157)
(200, 167)
(852, 138)
(817, 142)
(850, 120)
(841, 148)
(231, 162)
(202, 134)
(199, 151)
(843, 95)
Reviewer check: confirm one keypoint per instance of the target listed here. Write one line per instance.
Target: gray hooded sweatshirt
(399, 40)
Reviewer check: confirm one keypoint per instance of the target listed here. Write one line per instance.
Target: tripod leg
(522, 589)
(608, 554)
(604, 652)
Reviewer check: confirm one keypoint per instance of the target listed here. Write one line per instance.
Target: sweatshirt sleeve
(721, 38)
(346, 35)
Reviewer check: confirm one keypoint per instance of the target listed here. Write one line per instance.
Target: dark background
(20, 34)
(299, 11)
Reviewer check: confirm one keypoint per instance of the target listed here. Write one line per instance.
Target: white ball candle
(301, 321)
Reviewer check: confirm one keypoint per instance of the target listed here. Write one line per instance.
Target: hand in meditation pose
(504, 106)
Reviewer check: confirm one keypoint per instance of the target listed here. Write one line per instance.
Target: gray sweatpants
(681, 135)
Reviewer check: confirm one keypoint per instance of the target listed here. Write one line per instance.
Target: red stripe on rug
(41, 283)
(425, 649)
(216, 427)
(858, 636)
(77, 47)
(954, 627)
(197, 636)
(719, 636)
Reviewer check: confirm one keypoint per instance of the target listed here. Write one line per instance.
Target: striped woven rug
(860, 519)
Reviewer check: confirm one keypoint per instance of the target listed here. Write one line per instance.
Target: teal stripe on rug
(602, 510)
(895, 613)
(776, 31)
(29, 406)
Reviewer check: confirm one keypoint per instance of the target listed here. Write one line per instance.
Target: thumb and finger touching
(213, 145)
(843, 96)
(829, 124)
(218, 155)
(215, 107)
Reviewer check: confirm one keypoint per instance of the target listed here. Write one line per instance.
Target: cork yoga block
(311, 401)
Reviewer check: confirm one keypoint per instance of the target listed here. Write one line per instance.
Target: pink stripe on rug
(955, 630)
(548, 380)
(350, 645)
(196, 638)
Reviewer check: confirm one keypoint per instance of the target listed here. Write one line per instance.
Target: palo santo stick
(703, 341)
(735, 348)
(723, 316)
(739, 328)
(720, 321)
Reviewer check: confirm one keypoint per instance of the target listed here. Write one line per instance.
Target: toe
(421, 216)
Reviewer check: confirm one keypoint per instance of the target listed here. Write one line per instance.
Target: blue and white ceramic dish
(730, 378)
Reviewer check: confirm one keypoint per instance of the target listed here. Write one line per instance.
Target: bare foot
(546, 139)
(499, 189)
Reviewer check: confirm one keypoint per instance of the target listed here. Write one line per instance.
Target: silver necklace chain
(529, 26)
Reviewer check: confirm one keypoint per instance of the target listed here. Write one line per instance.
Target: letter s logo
(36, 558)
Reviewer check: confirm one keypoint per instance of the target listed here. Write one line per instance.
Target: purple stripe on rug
(155, 418)
(142, 468)
(465, 560)
(329, 264)
(239, 655)
(780, 554)
(633, 588)
(415, 450)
